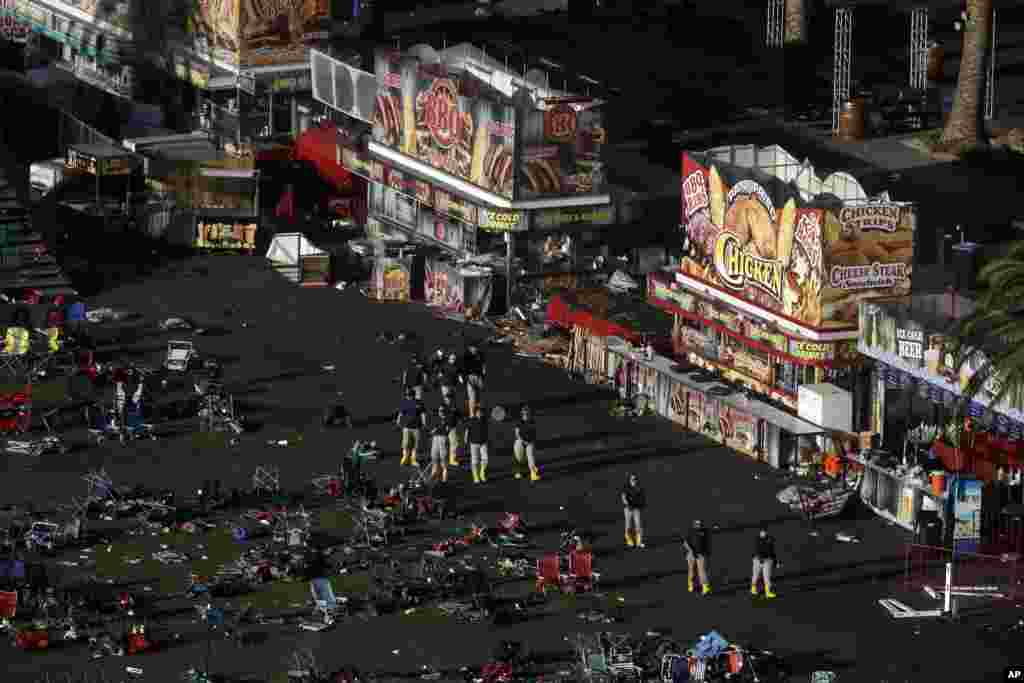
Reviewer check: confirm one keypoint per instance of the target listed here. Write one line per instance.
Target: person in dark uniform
(415, 378)
(412, 418)
(697, 545)
(474, 371)
(439, 445)
(476, 437)
(764, 563)
(454, 437)
(634, 499)
(525, 445)
(449, 376)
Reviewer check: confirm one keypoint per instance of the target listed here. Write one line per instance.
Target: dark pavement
(826, 617)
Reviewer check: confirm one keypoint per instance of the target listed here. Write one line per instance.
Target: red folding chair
(582, 577)
(8, 607)
(549, 573)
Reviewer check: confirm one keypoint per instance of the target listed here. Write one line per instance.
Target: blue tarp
(711, 645)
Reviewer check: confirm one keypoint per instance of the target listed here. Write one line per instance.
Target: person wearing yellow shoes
(764, 562)
(633, 501)
(476, 437)
(697, 545)
(439, 445)
(526, 439)
(412, 418)
(454, 433)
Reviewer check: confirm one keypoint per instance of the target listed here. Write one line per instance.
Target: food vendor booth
(917, 401)
(479, 162)
(775, 261)
(593, 316)
(102, 160)
(221, 198)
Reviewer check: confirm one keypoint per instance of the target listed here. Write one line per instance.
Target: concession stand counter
(729, 417)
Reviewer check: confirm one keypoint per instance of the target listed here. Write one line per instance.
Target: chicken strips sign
(810, 265)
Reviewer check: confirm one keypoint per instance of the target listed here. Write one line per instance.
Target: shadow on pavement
(568, 439)
(581, 463)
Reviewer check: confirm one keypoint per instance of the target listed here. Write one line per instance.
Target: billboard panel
(562, 150)
(811, 266)
(445, 119)
(279, 32)
(212, 26)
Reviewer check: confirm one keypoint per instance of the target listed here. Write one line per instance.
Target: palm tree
(795, 22)
(997, 325)
(965, 127)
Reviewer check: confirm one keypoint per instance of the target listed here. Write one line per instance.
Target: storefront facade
(767, 289)
(917, 381)
(91, 40)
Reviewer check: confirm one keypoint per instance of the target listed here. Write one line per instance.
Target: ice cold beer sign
(910, 344)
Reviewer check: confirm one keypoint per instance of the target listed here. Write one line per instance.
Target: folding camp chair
(549, 573)
(8, 608)
(582, 577)
(325, 603)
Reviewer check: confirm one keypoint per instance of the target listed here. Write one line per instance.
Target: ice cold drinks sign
(910, 344)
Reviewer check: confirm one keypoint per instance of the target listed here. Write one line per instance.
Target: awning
(319, 146)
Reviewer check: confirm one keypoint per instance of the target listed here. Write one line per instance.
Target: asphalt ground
(826, 617)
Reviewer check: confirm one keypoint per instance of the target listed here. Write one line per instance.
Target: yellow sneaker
(753, 589)
(519, 475)
(689, 586)
(476, 476)
(405, 459)
(705, 589)
(413, 462)
(534, 474)
(453, 461)
(629, 539)
(483, 473)
(769, 594)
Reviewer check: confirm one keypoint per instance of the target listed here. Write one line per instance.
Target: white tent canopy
(288, 248)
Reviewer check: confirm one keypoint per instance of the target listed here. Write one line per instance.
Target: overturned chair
(326, 606)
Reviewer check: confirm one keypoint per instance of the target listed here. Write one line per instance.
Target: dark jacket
(636, 498)
(477, 429)
(527, 430)
(449, 375)
(473, 364)
(764, 548)
(410, 414)
(699, 541)
(415, 376)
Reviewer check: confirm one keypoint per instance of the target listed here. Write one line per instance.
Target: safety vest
(53, 340)
(16, 341)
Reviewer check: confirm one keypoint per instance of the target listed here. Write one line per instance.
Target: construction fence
(998, 577)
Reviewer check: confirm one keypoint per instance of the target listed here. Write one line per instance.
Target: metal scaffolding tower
(990, 77)
(919, 48)
(774, 23)
(841, 62)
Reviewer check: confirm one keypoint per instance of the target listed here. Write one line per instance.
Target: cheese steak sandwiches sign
(811, 266)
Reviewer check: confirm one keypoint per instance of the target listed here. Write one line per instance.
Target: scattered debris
(846, 538)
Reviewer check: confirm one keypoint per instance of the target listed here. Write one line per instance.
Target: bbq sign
(882, 217)
(560, 124)
(441, 112)
(738, 267)
(910, 344)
